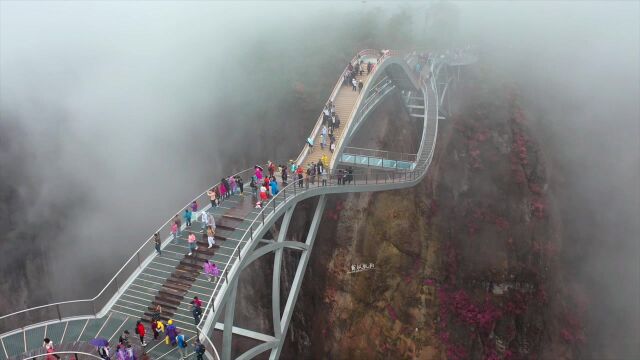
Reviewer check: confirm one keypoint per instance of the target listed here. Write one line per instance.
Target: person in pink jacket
(232, 183)
(258, 173)
(223, 191)
(193, 246)
(174, 232)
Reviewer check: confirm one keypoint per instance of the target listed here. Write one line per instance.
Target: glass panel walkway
(373, 161)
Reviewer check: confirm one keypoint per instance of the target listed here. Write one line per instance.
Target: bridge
(173, 278)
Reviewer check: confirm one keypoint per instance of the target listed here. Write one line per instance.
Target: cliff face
(465, 262)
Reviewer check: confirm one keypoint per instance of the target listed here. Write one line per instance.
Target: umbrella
(99, 342)
(258, 167)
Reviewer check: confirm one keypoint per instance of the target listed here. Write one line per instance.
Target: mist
(115, 114)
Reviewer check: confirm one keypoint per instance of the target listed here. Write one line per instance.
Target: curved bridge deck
(174, 278)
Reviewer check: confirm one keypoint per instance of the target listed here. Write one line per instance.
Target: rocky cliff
(465, 263)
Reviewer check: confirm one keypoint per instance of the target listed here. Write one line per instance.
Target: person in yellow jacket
(325, 161)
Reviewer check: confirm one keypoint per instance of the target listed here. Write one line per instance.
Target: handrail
(332, 97)
(272, 206)
(383, 154)
(396, 177)
(110, 282)
(63, 353)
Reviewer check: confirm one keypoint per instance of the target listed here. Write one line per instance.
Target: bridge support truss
(281, 317)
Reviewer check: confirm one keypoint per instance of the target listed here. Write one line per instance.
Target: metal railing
(335, 182)
(74, 355)
(332, 97)
(97, 305)
(383, 154)
(331, 182)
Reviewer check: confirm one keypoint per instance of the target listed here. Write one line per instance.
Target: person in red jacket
(140, 331)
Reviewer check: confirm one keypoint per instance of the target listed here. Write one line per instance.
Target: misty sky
(122, 107)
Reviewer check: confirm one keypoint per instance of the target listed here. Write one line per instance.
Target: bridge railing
(294, 189)
(98, 305)
(316, 129)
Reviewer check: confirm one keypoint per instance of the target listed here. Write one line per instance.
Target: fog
(114, 114)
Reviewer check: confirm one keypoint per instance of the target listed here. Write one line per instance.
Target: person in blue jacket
(187, 216)
(274, 186)
(182, 346)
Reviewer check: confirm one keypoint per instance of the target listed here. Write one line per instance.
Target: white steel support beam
(277, 266)
(229, 311)
(297, 280)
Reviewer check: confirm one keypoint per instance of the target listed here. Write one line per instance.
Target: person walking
(324, 177)
(212, 197)
(325, 161)
(159, 328)
(175, 229)
(158, 243)
(263, 195)
(211, 222)
(129, 353)
(182, 346)
(194, 206)
(48, 346)
(228, 187)
(360, 86)
(272, 168)
(210, 237)
(350, 174)
(103, 352)
(172, 333)
(204, 218)
(122, 352)
(258, 173)
(178, 222)
(196, 311)
(300, 171)
(274, 186)
(240, 183)
(210, 269)
(284, 175)
(193, 246)
(140, 331)
(223, 190)
(233, 185)
(254, 188)
(369, 68)
(124, 338)
(354, 84)
(155, 315)
(199, 349)
(187, 217)
(325, 133)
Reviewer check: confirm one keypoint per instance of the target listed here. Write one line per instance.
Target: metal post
(251, 228)
(274, 204)
(138, 256)
(58, 309)
(285, 194)
(93, 304)
(365, 179)
(376, 178)
(117, 285)
(262, 212)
